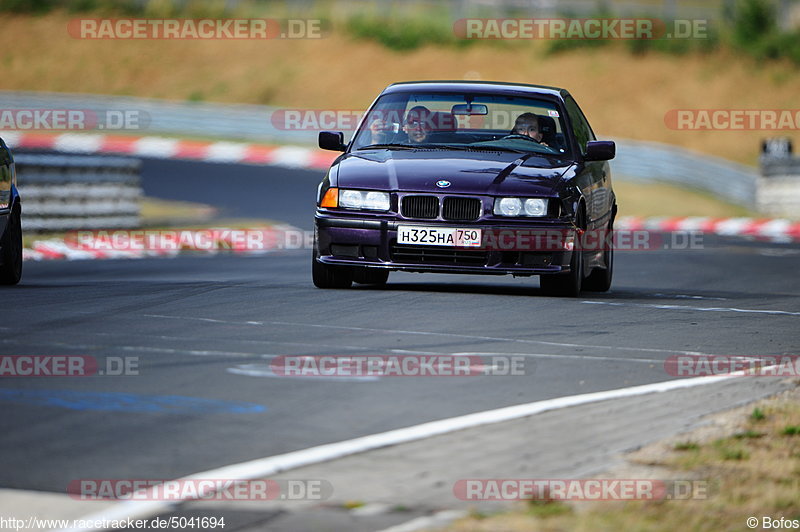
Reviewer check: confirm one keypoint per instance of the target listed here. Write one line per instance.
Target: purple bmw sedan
(470, 178)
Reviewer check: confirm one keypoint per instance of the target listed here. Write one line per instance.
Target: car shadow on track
(455, 288)
(715, 297)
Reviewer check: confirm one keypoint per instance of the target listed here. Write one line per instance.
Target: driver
(416, 126)
(527, 124)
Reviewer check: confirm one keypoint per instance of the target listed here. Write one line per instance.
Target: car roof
(490, 87)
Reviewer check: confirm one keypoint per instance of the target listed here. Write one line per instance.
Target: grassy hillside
(624, 95)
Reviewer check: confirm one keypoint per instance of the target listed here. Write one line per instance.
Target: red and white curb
(773, 230)
(212, 241)
(169, 148)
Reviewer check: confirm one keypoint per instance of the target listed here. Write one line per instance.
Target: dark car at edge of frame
(10, 220)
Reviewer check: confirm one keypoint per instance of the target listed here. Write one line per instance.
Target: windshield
(463, 121)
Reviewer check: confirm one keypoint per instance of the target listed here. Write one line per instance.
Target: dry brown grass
(658, 199)
(158, 212)
(625, 95)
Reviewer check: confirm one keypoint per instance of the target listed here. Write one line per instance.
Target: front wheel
(600, 279)
(325, 276)
(11, 269)
(565, 284)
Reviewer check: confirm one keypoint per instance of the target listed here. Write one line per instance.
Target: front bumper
(352, 241)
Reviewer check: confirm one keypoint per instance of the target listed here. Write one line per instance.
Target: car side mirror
(332, 140)
(600, 150)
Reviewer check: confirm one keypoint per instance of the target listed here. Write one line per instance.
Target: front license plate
(438, 236)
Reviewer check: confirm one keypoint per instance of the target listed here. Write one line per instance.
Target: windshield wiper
(388, 146)
(422, 146)
(516, 150)
(488, 148)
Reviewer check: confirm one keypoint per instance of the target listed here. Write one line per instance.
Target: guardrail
(164, 117)
(636, 160)
(68, 192)
(654, 162)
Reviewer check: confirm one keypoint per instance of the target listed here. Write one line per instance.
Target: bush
(752, 21)
(27, 6)
(675, 46)
(402, 33)
(755, 31)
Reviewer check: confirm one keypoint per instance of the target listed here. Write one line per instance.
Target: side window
(5, 156)
(583, 131)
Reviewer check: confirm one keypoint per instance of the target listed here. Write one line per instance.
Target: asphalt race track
(205, 328)
(237, 190)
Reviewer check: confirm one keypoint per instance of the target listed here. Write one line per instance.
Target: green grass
(548, 508)
(749, 434)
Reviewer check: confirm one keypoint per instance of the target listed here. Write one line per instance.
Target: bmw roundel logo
(443, 183)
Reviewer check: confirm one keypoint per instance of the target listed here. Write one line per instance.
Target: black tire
(11, 269)
(600, 278)
(566, 284)
(325, 276)
(370, 276)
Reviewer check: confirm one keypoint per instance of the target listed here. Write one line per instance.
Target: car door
(598, 194)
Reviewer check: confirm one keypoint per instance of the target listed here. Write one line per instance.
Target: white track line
(264, 467)
(689, 296)
(697, 309)
(427, 522)
(432, 333)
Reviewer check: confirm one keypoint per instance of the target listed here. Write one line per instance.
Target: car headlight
(363, 199)
(376, 201)
(535, 207)
(508, 206)
(520, 207)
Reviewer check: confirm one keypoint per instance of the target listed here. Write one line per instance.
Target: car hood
(469, 172)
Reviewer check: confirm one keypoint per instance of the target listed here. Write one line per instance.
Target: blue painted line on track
(126, 402)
